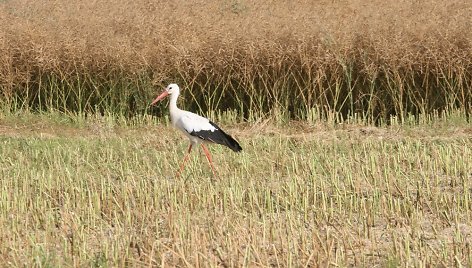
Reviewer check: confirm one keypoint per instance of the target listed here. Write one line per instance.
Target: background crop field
(354, 118)
(374, 59)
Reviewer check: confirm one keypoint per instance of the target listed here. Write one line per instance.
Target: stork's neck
(173, 103)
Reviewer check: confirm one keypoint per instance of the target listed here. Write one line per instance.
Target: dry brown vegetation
(376, 58)
(89, 182)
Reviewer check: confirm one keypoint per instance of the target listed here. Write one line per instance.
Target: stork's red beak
(160, 97)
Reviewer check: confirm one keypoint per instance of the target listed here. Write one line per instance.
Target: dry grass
(98, 193)
(373, 58)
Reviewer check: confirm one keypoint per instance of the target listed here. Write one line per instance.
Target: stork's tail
(227, 140)
(232, 143)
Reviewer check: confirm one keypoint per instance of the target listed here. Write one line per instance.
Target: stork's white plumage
(197, 128)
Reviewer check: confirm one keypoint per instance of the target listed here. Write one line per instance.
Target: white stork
(198, 129)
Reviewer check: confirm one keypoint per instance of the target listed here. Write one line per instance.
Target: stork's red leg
(208, 156)
(185, 160)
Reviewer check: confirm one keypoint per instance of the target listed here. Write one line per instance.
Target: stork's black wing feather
(217, 136)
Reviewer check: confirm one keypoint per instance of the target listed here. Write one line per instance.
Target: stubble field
(96, 192)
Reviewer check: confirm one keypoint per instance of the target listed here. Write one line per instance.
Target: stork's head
(170, 89)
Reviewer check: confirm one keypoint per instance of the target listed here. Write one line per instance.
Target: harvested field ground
(97, 192)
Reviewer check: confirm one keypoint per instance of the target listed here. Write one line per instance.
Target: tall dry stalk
(374, 59)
